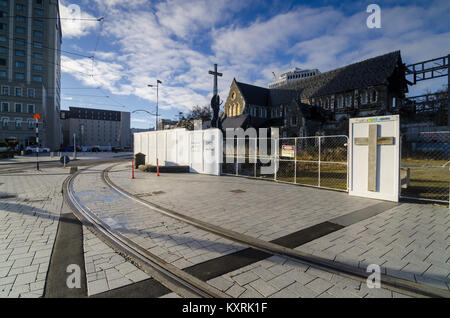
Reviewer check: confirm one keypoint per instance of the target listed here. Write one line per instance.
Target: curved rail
(170, 276)
(389, 282)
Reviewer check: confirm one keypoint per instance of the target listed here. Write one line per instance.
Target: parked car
(4, 147)
(34, 149)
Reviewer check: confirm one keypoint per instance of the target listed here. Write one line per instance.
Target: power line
(47, 47)
(49, 18)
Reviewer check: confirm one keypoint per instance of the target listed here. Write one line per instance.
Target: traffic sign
(64, 160)
(37, 116)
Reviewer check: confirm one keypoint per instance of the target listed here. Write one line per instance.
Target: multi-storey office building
(96, 127)
(30, 71)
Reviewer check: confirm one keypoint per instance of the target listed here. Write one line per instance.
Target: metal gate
(319, 161)
(425, 167)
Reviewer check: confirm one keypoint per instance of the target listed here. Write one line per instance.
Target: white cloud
(160, 42)
(72, 26)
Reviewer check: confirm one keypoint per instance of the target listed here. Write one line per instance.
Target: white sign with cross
(374, 157)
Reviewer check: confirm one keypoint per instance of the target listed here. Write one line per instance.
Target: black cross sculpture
(215, 101)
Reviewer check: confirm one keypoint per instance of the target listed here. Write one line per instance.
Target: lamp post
(157, 99)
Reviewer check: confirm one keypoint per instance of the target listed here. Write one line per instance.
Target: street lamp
(157, 98)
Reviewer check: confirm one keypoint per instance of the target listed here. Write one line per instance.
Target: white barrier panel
(201, 150)
(374, 157)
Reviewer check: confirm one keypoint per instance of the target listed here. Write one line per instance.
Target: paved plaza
(30, 207)
(409, 241)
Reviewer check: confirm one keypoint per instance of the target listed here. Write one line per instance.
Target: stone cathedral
(322, 103)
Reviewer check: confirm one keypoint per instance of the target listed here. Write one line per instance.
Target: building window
(18, 91)
(31, 109)
(5, 107)
(3, 38)
(294, 121)
(341, 101)
(20, 53)
(5, 90)
(5, 122)
(373, 96)
(20, 42)
(30, 123)
(364, 97)
(38, 34)
(20, 30)
(18, 108)
(20, 76)
(37, 78)
(21, 7)
(37, 67)
(37, 45)
(31, 92)
(348, 101)
(38, 23)
(3, 26)
(3, 50)
(2, 74)
(38, 11)
(21, 19)
(3, 3)
(37, 56)
(20, 64)
(3, 14)
(18, 123)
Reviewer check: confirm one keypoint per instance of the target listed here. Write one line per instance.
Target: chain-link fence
(425, 166)
(313, 161)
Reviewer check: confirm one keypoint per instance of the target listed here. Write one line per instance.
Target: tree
(197, 112)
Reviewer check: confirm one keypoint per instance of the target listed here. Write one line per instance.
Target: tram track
(167, 274)
(393, 283)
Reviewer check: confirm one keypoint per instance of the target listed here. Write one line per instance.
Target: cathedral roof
(254, 95)
(359, 75)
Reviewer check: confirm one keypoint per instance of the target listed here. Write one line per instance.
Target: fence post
(295, 162)
(256, 156)
(276, 158)
(319, 159)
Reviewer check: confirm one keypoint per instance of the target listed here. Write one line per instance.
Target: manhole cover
(237, 191)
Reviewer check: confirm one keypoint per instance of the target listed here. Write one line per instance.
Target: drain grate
(237, 191)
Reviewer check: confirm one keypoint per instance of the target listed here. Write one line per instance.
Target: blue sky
(178, 41)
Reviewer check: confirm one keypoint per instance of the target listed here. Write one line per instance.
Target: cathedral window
(364, 97)
(341, 101)
(373, 96)
(348, 101)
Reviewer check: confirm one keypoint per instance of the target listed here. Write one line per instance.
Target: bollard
(157, 167)
(132, 169)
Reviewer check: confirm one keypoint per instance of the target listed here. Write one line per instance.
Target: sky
(108, 64)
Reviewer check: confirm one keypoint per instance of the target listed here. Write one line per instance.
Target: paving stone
(98, 286)
(245, 278)
(221, 283)
(263, 288)
(319, 285)
(235, 291)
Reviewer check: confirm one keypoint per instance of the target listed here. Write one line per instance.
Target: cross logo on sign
(373, 141)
